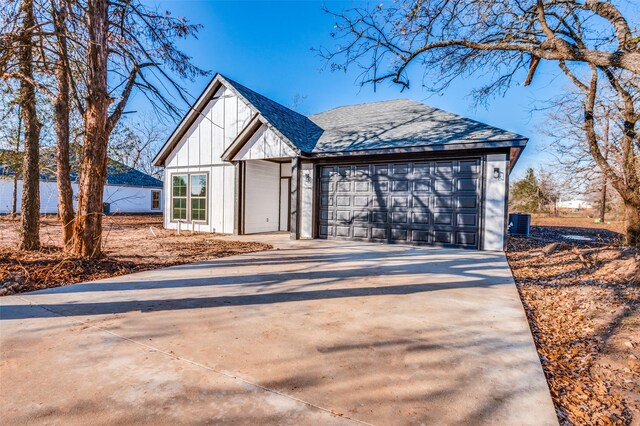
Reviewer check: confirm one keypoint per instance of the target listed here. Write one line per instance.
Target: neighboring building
(127, 190)
(394, 171)
(575, 204)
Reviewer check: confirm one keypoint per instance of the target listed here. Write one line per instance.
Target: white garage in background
(394, 171)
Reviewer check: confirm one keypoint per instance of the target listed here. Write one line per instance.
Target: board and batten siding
(122, 199)
(264, 144)
(200, 150)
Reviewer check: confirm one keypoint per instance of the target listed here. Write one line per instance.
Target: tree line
(593, 44)
(78, 63)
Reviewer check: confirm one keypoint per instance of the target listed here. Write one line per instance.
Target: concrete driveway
(313, 332)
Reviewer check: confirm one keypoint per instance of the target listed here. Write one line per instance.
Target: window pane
(155, 199)
(198, 185)
(179, 186)
(198, 209)
(179, 208)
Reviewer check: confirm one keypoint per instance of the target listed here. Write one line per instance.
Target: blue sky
(267, 46)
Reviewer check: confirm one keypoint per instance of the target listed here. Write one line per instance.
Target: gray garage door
(426, 202)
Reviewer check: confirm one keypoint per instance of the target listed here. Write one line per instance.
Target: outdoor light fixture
(497, 174)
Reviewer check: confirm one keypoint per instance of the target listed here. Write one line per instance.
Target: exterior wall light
(497, 173)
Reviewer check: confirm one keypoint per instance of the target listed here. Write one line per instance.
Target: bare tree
(62, 108)
(126, 45)
(135, 143)
(593, 43)
(30, 204)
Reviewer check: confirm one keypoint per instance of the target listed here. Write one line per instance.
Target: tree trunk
(61, 106)
(30, 221)
(87, 230)
(632, 236)
(603, 199)
(14, 197)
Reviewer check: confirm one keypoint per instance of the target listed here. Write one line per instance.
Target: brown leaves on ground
(582, 301)
(132, 244)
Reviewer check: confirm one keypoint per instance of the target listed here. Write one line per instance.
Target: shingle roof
(117, 173)
(294, 126)
(399, 123)
(389, 125)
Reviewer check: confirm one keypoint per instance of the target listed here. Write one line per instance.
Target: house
(127, 190)
(394, 171)
(575, 204)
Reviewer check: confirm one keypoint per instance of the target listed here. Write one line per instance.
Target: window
(189, 197)
(198, 197)
(179, 191)
(155, 200)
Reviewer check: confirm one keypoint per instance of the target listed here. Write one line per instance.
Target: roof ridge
(260, 94)
(365, 103)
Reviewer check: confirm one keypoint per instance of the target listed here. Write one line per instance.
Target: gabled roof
(297, 128)
(294, 128)
(117, 173)
(387, 126)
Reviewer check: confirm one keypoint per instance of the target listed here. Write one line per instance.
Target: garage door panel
(399, 234)
(467, 184)
(378, 233)
(361, 186)
(361, 201)
(467, 238)
(379, 217)
(466, 202)
(420, 236)
(443, 186)
(379, 202)
(420, 218)
(360, 232)
(422, 185)
(400, 217)
(423, 202)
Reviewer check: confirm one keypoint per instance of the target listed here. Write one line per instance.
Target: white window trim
(188, 219)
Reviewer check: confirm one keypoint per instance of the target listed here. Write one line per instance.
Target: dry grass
(582, 302)
(131, 244)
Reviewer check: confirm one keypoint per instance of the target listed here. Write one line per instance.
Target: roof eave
(186, 122)
(519, 143)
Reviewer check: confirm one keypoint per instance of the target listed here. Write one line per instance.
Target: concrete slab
(313, 332)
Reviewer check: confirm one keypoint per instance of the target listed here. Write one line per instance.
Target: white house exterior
(392, 172)
(575, 204)
(127, 191)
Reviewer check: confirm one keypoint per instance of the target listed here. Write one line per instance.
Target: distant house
(393, 172)
(127, 190)
(575, 204)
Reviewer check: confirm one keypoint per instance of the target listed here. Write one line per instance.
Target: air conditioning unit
(519, 224)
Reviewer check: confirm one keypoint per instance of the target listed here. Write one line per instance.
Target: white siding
(264, 144)
(123, 199)
(494, 202)
(306, 203)
(200, 150)
(262, 197)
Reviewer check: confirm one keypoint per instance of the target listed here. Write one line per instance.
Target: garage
(419, 202)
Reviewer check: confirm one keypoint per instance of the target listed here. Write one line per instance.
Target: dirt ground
(131, 244)
(579, 222)
(582, 300)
